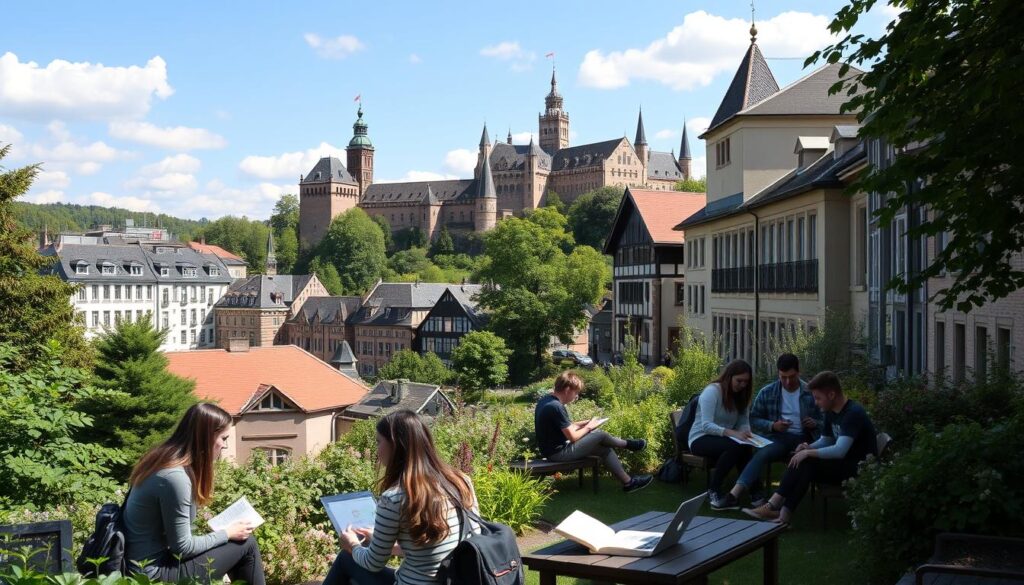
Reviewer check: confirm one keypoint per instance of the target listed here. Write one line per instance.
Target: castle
(508, 179)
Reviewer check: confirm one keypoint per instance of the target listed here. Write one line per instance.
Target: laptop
(648, 544)
(356, 510)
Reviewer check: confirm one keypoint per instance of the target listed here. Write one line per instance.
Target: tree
(443, 244)
(554, 201)
(480, 362)
(692, 185)
(354, 244)
(385, 228)
(590, 217)
(555, 223)
(34, 307)
(286, 245)
(328, 275)
(411, 261)
(407, 364)
(153, 398)
(956, 158)
(44, 461)
(537, 290)
(241, 236)
(286, 214)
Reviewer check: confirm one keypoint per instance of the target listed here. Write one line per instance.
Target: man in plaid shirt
(783, 411)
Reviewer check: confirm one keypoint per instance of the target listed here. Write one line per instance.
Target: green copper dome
(359, 137)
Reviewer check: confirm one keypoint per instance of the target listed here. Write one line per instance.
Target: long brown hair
(426, 479)
(731, 400)
(191, 447)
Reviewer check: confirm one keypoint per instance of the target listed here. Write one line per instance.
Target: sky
(206, 109)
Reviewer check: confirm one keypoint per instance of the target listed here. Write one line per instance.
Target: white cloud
(460, 161)
(524, 137)
(179, 163)
(415, 59)
(334, 48)
(88, 168)
(58, 131)
(52, 180)
(170, 184)
(130, 203)
(288, 165)
(692, 54)
(49, 196)
(699, 166)
(665, 134)
(418, 176)
(521, 60)
(697, 126)
(73, 152)
(171, 138)
(80, 90)
(9, 134)
(216, 199)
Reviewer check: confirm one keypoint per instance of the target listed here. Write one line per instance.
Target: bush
(509, 497)
(630, 380)
(832, 346)
(648, 420)
(695, 364)
(966, 478)
(597, 386)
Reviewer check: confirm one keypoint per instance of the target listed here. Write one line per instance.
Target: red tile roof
(215, 250)
(663, 210)
(233, 379)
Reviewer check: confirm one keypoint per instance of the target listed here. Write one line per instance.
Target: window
(108, 270)
(214, 271)
(82, 294)
(722, 153)
(183, 337)
(860, 238)
(812, 237)
(940, 347)
(165, 271)
(149, 293)
(188, 272)
(275, 455)
(202, 336)
(272, 401)
(135, 270)
(117, 292)
(81, 268)
(980, 353)
(138, 315)
(106, 292)
(192, 336)
(164, 321)
(959, 352)
(95, 318)
(184, 317)
(1003, 348)
(106, 318)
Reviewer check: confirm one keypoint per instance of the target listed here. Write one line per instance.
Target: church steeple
(643, 152)
(509, 136)
(360, 153)
(685, 159)
(483, 154)
(271, 256)
(486, 200)
(554, 122)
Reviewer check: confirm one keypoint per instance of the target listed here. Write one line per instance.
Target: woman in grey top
(415, 516)
(167, 484)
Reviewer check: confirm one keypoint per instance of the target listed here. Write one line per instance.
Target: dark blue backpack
(107, 542)
(490, 557)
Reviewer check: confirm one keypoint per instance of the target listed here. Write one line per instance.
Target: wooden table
(708, 544)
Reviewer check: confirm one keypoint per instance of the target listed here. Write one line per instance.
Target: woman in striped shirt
(415, 516)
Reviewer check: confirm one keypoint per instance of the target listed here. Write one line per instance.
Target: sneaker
(758, 499)
(637, 483)
(726, 502)
(636, 444)
(763, 512)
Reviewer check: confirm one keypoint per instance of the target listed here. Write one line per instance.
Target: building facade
(450, 319)
(256, 309)
(320, 326)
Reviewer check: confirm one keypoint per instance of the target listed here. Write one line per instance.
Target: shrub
(905, 404)
(509, 497)
(82, 516)
(630, 380)
(648, 420)
(695, 364)
(662, 377)
(966, 478)
(597, 386)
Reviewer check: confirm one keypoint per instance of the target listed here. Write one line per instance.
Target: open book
(240, 510)
(757, 441)
(600, 422)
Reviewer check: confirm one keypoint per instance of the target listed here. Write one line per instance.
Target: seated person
(560, 439)
(723, 412)
(847, 438)
(784, 412)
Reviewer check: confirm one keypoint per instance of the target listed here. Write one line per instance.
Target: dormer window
(214, 271)
(81, 268)
(273, 401)
(135, 270)
(165, 271)
(188, 272)
(108, 270)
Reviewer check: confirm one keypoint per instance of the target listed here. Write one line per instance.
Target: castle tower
(536, 177)
(486, 200)
(685, 159)
(271, 256)
(509, 140)
(643, 152)
(360, 154)
(483, 154)
(554, 122)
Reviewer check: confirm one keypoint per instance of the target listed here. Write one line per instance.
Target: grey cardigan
(712, 418)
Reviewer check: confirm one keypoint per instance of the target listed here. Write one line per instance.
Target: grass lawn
(807, 554)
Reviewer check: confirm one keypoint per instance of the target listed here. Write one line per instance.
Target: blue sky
(215, 108)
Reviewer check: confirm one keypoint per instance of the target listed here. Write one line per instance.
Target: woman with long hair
(723, 413)
(167, 486)
(417, 517)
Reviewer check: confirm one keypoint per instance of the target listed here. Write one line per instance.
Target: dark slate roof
(584, 155)
(255, 291)
(180, 257)
(177, 258)
(485, 186)
(684, 144)
(752, 83)
(328, 169)
(641, 137)
(663, 165)
(720, 208)
(512, 157)
(327, 309)
(420, 191)
(345, 361)
(392, 303)
(379, 401)
(484, 139)
(808, 95)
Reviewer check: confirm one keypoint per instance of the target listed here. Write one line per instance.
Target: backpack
(671, 471)
(686, 423)
(106, 542)
(488, 558)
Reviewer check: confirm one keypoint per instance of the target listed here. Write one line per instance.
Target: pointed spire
(641, 137)
(485, 188)
(752, 84)
(484, 138)
(554, 82)
(510, 135)
(684, 146)
(271, 256)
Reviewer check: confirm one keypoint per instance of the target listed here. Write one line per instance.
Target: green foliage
(286, 247)
(646, 419)
(830, 347)
(20, 573)
(631, 382)
(590, 217)
(242, 236)
(354, 245)
(413, 260)
(443, 244)
(965, 478)
(33, 307)
(327, 274)
(695, 364)
(554, 201)
(81, 514)
(597, 386)
(662, 376)
(480, 361)
(908, 99)
(692, 185)
(57, 217)
(385, 228)
(153, 398)
(43, 461)
(286, 213)
(407, 364)
(512, 498)
(411, 237)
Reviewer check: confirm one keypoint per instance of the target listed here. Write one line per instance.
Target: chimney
(238, 345)
(399, 390)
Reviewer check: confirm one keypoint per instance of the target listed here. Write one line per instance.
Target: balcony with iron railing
(800, 276)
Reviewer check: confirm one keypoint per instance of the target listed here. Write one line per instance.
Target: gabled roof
(664, 166)
(658, 210)
(328, 168)
(217, 251)
(584, 155)
(379, 401)
(327, 310)
(808, 95)
(752, 83)
(420, 191)
(261, 290)
(392, 303)
(512, 157)
(234, 379)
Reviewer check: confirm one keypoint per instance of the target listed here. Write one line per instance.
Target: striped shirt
(419, 566)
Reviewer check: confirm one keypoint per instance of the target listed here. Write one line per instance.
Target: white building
(122, 280)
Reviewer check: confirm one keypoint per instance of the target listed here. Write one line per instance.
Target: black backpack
(488, 558)
(686, 422)
(107, 542)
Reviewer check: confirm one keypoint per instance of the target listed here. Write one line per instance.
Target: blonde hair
(568, 380)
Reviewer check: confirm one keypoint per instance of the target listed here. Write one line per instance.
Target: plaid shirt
(767, 408)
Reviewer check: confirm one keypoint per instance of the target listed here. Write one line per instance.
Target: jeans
(782, 445)
(345, 571)
(238, 560)
(725, 453)
(596, 442)
(796, 482)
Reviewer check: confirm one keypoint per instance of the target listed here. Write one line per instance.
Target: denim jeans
(345, 571)
(782, 445)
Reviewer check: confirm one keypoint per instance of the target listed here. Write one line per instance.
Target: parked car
(580, 359)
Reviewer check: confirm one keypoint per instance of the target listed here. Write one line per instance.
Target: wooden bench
(968, 559)
(545, 467)
(682, 452)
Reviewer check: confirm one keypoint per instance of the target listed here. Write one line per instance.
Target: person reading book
(785, 413)
(167, 485)
(721, 427)
(415, 516)
(847, 438)
(560, 439)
